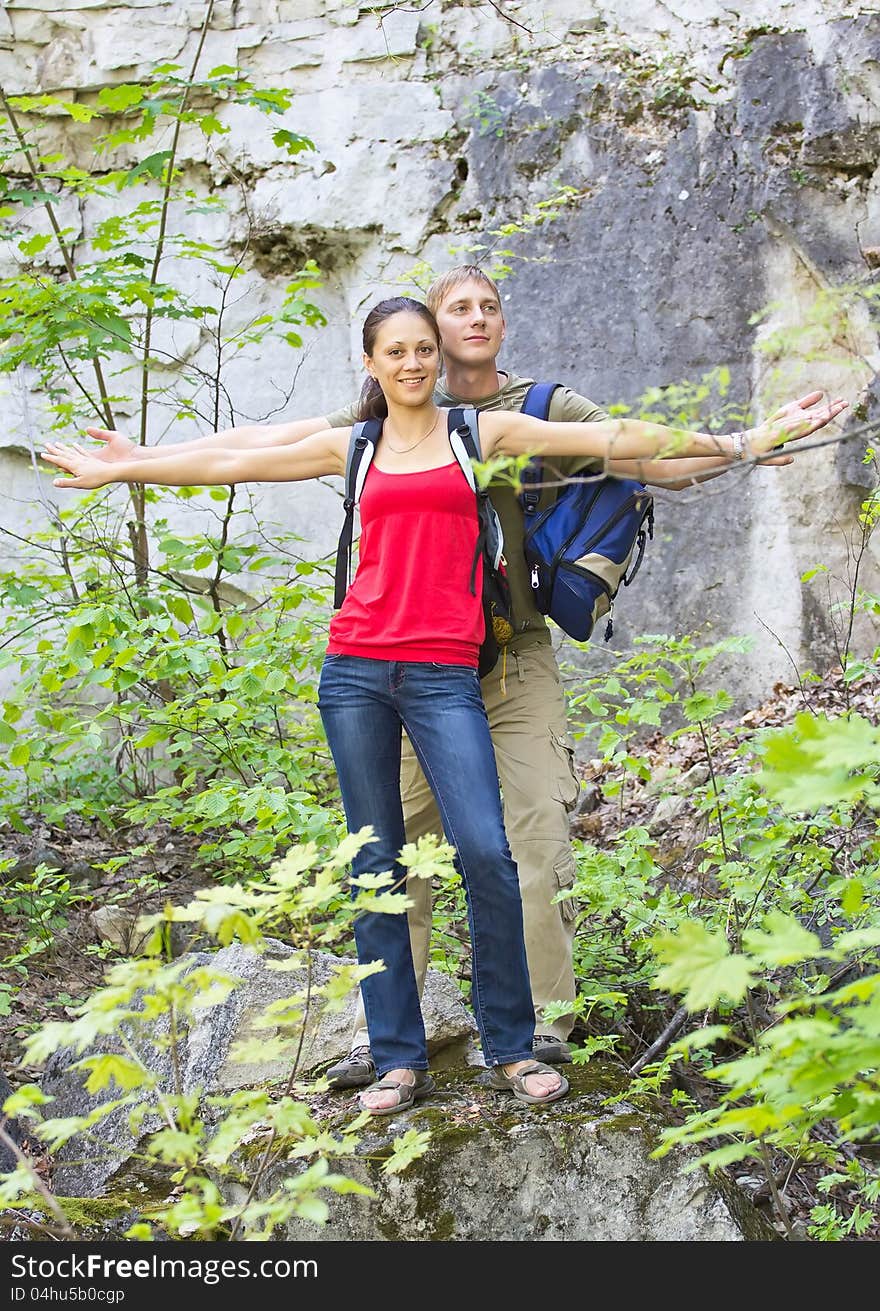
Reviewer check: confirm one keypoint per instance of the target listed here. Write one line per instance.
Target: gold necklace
(402, 450)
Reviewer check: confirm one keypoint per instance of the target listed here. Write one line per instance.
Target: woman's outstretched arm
(117, 447)
(675, 475)
(318, 456)
(507, 433)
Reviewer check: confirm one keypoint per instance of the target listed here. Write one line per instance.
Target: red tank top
(411, 597)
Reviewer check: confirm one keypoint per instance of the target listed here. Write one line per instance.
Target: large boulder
(498, 1170)
(495, 1169)
(86, 1167)
(13, 1129)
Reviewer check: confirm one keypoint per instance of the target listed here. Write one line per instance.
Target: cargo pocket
(565, 870)
(566, 785)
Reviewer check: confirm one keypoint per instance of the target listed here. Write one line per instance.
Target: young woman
(403, 653)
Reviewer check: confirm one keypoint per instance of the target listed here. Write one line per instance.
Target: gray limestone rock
(13, 1129)
(498, 1170)
(668, 810)
(85, 1167)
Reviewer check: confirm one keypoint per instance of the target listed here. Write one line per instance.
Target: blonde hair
(441, 287)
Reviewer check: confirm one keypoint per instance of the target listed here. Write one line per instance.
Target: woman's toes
(541, 1085)
(378, 1099)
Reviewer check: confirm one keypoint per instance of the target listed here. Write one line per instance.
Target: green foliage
(655, 77)
(130, 1038)
(486, 114)
(822, 761)
(704, 404)
(193, 703)
(497, 250)
(37, 907)
(831, 316)
(70, 304)
(771, 927)
(854, 1209)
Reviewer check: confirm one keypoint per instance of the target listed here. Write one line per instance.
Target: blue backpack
(579, 549)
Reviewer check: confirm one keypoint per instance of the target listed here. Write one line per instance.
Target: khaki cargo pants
(535, 766)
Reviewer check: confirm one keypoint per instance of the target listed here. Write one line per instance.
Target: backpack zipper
(554, 563)
(533, 528)
(609, 523)
(618, 514)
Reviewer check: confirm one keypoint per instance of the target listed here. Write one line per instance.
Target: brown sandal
(515, 1083)
(407, 1093)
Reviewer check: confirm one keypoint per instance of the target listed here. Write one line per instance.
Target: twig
(8, 1141)
(792, 662)
(660, 1044)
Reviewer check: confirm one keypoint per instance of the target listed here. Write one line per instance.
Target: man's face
(471, 324)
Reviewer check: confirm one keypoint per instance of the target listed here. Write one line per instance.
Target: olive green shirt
(566, 406)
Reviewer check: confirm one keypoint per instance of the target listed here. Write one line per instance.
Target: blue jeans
(364, 703)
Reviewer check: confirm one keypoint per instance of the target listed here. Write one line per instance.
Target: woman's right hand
(87, 468)
(115, 446)
(796, 419)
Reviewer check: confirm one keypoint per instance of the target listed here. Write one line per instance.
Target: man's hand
(115, 446)
(796, 419)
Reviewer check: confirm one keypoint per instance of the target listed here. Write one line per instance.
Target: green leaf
(181, 609)
(140, 1232)
(407, 1149)
(153, 166)
(853, 899)
(23, 1100)
(784, 941)
(699, 964)
(700, 1038)
(211, 126)
(703, 705)
(119, 98)
(292, 142)
(115, 326)
(35, 245)
(29, 198)
(112, 1068)
(820, 762)
(80, 113)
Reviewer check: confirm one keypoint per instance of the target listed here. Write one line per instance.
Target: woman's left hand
(796, 419)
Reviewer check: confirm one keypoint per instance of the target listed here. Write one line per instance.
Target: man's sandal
(407, 1093)
(354, 1070)
(515, 1083)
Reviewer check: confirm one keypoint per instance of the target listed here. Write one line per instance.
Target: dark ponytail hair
(372, 403)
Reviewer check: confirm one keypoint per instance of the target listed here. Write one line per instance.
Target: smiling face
(471, 324)
(405, 359)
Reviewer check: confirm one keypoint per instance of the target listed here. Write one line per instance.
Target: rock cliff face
(720, 166)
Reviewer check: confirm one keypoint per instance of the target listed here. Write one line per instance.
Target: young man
(523, 695)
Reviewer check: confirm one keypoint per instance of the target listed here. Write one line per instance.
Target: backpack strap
(361, 448)
(464, 438)
(537, 404)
